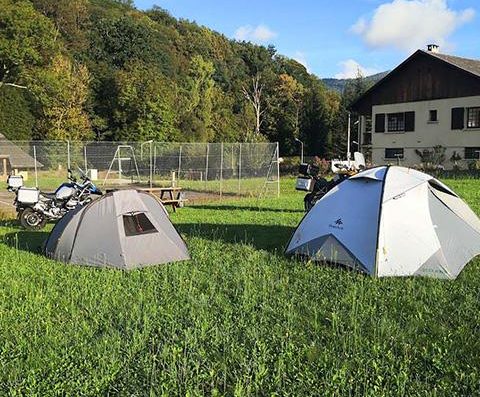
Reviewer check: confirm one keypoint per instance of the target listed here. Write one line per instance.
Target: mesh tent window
(137, 223)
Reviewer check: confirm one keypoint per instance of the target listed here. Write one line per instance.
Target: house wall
(426, 134)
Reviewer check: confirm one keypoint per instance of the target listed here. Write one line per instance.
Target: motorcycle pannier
(15, 181)
(304, 184)
(28, 195)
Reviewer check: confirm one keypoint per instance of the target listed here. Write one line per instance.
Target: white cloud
(350, 69)
(301, 58)
(258, 34)
(411, 24)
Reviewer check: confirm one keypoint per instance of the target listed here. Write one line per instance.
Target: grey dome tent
(123, 229)
(390, 221)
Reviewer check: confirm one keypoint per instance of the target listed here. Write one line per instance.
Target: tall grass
(238, 319)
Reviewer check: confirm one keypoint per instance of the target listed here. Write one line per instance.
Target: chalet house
(429, 100)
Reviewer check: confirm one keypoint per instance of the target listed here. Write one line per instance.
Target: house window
(395, 122)
(472, 153)
(458, 116)
(137, 223)
(380, 122)
(433, 115)
(473, 117)
(394, 153)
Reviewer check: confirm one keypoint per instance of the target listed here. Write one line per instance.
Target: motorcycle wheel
(309, 201)
(311, 198)
(32, 220)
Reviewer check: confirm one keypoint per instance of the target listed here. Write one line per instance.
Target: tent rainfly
(390, 221)
(123, 229)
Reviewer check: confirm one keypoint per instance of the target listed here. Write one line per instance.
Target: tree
(254, 96)
(27, 43)
(145, 104)
(292, 92)
(198, 96)
(106, 69)
(62, 91)
(287, 104)
(17, 116)
(70, 18)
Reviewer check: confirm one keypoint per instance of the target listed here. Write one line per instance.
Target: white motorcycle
(36, 208)
(316, 187)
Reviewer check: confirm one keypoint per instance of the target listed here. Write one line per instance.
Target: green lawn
(238, 319)
(249, 187)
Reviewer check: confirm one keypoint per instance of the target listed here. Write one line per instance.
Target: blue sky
(335, 38)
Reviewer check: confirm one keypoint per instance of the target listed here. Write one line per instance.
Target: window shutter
(458, 118)
(409, 121)
(380, 122)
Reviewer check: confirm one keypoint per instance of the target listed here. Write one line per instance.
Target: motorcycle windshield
(64, 185)
(95, 190)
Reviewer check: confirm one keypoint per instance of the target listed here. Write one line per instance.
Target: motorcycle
(317, 187)
(36, 208)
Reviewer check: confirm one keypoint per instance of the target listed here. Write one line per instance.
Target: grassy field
(249, 187)
(238, 319)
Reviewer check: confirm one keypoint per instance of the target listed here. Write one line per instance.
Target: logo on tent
(338, 224)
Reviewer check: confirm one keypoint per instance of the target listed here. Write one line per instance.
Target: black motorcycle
(316, 186)
(35, 208)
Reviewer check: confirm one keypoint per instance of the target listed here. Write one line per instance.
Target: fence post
(179, 161)
(35, 165)
(151, 164)
(206, 165)
(154, 158)
(278, 170)
(68, 154)
(85, 157)
(240, 168)
(221, 170)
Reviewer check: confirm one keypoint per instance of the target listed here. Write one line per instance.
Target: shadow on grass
(9, 222)
(241, 208)
(26, 240)
(272, 238)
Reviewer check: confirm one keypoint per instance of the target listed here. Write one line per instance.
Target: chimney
(433, 48)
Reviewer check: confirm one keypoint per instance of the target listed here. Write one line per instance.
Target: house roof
(17, 157)
(469, 66)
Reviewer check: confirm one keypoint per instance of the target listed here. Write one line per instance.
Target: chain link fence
(223, 169)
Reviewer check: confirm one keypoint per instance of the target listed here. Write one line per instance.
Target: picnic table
(167, 195)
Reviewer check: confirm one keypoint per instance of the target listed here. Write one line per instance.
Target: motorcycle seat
(48, 195)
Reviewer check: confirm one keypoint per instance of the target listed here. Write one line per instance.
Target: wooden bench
(173, 195)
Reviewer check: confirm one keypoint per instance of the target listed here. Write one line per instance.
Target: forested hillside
(100, 69)
(340, 84)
